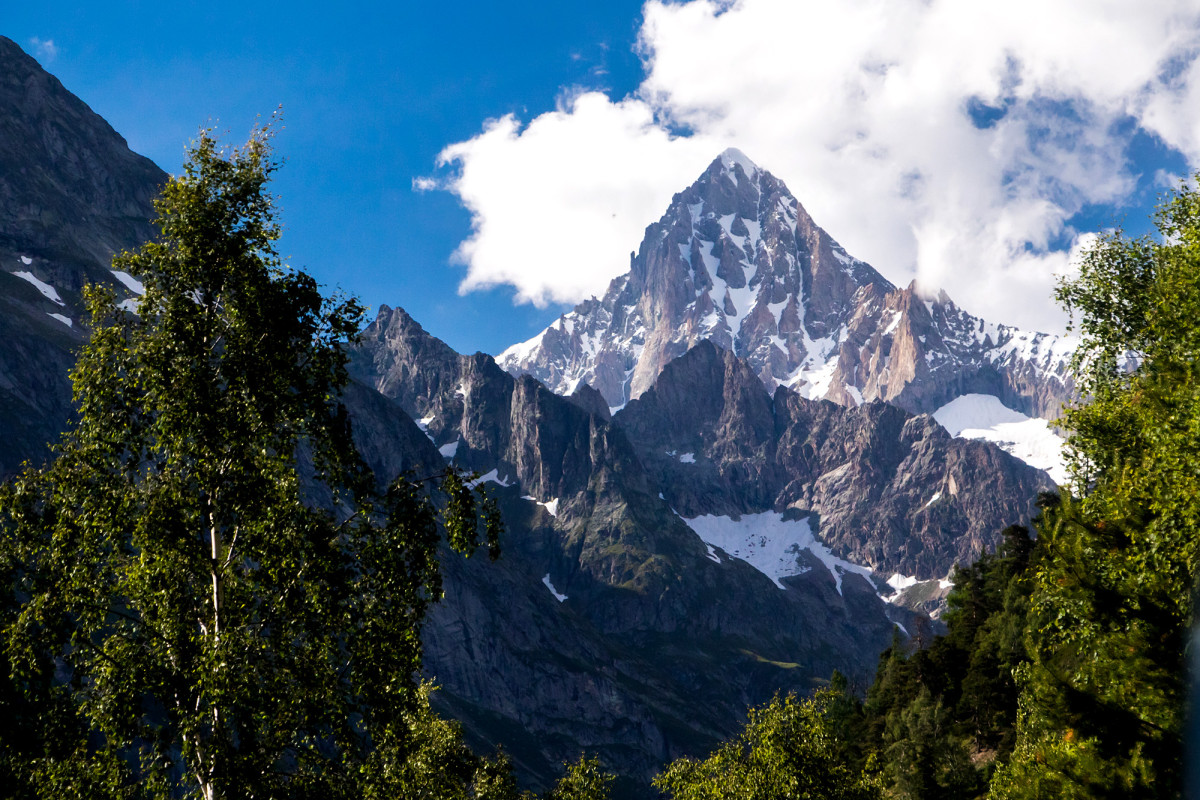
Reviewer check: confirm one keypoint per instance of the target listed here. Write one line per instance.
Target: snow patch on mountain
(901, 582)
(492, 476)
(982, 416)
(557, 596)
(551, 505)
(129, 282)
(771, 544)
(523, 350)
(733, 156)
(48, 291)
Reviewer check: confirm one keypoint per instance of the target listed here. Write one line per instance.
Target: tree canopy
(204, 593)
(1102, 701)
(788, 749)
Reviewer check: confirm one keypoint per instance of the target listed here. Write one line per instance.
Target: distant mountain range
(703, 504)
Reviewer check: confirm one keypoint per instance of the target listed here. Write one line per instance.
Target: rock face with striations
(883, 488)
(608, 623)
(737, 261)
(71, 195)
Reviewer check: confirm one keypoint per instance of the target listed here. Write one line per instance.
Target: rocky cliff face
(737, 261)
(71, 195)
(881, 487)
(609, 623)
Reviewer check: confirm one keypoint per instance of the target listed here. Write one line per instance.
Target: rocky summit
(736, 260)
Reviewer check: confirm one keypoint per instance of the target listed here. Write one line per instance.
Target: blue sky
(972, 152)
(370, 95)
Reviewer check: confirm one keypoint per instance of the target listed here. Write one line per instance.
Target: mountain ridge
(71, 195)
(737, 260)
(885, 489)
(593, 537)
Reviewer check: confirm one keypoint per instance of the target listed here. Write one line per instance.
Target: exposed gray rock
(883, 488)
(590, 401)
(737, 261)
(658, 647)
(71, 191)
(71, 195)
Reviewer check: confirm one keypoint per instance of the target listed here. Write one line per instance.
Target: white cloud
(45, 49)
(558, 204)
(863, 108)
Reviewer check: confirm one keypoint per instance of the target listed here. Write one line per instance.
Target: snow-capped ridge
(980, 416)
(739, 262)
(732, 156)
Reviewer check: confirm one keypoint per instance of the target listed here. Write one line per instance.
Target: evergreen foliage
(1102, 700)
(1062, 672)
(181, 617)
(938, 720)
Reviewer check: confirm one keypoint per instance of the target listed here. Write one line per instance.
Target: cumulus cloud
(944, 140)
(45, 49)
(558, 204)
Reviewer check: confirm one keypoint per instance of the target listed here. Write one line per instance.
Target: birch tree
(182, 618)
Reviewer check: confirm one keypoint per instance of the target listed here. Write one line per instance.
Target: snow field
(770, 544)
(982, 416)
(48, 291)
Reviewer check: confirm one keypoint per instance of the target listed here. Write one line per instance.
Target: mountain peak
(732, 157)
(737, 261)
